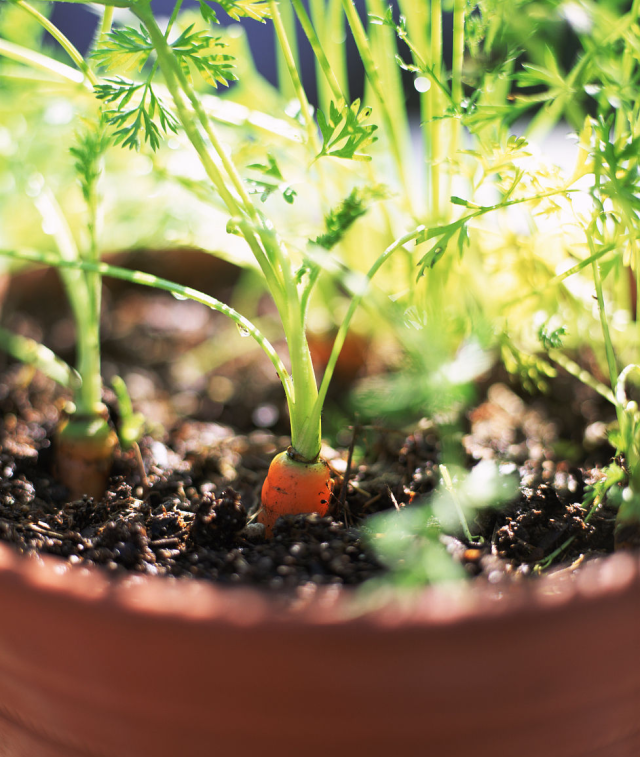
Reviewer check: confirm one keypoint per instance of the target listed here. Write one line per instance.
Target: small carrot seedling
(85, 440)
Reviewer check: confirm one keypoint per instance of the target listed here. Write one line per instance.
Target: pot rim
(197, 601)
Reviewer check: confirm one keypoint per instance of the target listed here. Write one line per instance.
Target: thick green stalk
(271, 258)
(88, 398)
(89, 355)
(318, 22)
(458, 50)
(306, 430)
(107, 21)
(103, 28)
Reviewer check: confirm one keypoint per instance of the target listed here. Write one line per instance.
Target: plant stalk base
(85, 447)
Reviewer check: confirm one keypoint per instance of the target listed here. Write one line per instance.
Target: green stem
(353, 306)
(33, 353)
(298, 89)
(456, 79)
(436, 107)
(174, 79)
(316, 46)
(608, 344)
(102, 30)
(177, 84)
(285, 83)
(89, 396)
(306, 430)
(80, 289)
(147, 279)
(91, 363)
(40, 62)
(585, 377)
(301, 388)
(107, 21)
(335, 44)
(384, 48)
(362, 42)
(65, 43)
(417, 13)
(458, 49)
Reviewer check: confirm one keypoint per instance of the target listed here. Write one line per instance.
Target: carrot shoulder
(293, 487)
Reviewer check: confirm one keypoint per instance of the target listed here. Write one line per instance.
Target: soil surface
(186, 505)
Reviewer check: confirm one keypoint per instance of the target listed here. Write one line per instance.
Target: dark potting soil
(193, 515)
(191, 511)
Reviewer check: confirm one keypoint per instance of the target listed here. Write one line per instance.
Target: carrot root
(293, 487)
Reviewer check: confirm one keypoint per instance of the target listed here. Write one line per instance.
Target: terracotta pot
(93, 666)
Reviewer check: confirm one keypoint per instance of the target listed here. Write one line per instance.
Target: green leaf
(271, 182)
(344, 132)
(258, 10)
(126, 49)
(463, 240)
(606, 266)
(207, 13)
(411, 67)
(551, 339)
(204, 52)
(400, 28)
(341, 218)
(91, 144)
(148, 118)
(432, 257)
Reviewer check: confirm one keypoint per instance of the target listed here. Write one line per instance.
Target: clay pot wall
(95, 667)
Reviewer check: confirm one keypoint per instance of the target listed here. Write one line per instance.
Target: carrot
(85, 447)
(294, 486)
